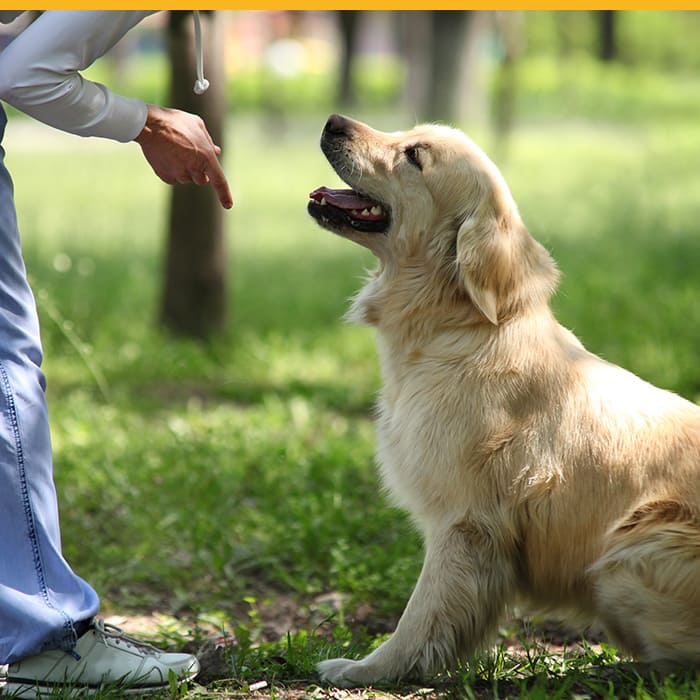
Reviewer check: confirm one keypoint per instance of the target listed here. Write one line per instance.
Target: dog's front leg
(461, 593)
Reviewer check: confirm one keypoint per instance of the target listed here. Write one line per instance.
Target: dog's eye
(412, 153)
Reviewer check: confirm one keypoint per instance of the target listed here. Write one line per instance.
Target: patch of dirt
(551, 635)
(279, 614)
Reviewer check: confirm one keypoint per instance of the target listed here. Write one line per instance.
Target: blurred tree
(433, 43)
(608, 37)
(509, 26)
(448, 33)
(413, 28)
(348, 23)
(194, 289)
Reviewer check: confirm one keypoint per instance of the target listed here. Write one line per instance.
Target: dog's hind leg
(647, 585)
(461, 593)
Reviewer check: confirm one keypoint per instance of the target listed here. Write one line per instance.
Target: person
(49, 634)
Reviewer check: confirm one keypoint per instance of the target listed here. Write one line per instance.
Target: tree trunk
(348, 22)
(448, 34)
(510, 31)
(414, 33)
(608, 38)
(194, 290)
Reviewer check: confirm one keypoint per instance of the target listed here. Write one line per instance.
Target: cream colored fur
(534, 469)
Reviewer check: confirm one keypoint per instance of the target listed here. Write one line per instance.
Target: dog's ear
(485, 264)
(500, 266)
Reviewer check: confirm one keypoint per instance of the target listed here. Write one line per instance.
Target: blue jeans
(41, 599)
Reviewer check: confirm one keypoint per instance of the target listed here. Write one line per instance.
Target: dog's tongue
(343, 199)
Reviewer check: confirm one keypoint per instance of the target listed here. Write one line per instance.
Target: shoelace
(118, 635)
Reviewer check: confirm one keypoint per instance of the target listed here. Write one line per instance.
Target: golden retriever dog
(535, 470)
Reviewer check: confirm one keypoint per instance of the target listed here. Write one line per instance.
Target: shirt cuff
(122, 121)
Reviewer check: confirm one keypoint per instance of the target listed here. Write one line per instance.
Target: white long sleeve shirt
(40, 73)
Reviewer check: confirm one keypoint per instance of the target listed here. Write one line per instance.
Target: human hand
(180, 150)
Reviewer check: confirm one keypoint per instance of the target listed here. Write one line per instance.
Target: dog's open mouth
(334, 209)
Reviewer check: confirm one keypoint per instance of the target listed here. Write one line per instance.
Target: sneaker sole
(19, 688)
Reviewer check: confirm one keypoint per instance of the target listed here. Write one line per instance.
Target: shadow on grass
(288, 668)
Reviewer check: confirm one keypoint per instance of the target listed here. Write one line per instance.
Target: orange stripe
(379, 5)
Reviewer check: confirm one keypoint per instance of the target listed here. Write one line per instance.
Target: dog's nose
(337, 125)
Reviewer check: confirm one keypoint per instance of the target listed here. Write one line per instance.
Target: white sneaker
(104, 657)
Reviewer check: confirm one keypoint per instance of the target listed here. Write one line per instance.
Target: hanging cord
(201, 84)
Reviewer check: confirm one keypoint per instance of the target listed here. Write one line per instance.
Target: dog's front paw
(346, 673)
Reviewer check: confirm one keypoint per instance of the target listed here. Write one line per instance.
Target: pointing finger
(218, 181)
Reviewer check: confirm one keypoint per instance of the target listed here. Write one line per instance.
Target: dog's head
(431, 205)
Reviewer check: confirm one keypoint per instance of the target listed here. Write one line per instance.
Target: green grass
(231, 486)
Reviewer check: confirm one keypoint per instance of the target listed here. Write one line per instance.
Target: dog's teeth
(323, 201)
(365, 212)
(377, 211)
(355, 212)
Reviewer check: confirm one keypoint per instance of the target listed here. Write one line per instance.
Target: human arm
(180, 150)
(40, 73)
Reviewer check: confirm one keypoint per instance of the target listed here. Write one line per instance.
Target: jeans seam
(27, 504)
